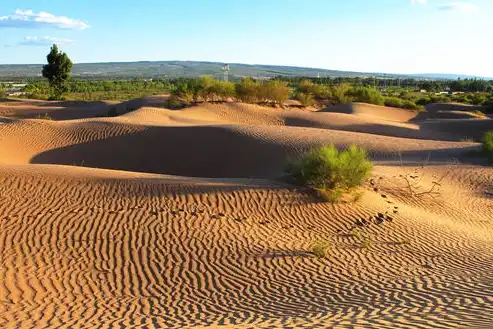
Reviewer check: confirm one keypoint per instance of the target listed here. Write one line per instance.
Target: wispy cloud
(419, 2)
(31, 19)
(459, 6)
(44, 41)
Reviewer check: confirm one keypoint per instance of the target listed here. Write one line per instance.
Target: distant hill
(174, 69)
(448, 76)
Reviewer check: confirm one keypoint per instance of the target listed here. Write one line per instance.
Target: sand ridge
(166, 218)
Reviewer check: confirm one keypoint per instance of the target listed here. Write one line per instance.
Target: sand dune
(174, 218)
(452, 107)
(375, 111)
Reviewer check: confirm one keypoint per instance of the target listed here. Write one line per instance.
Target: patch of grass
(355, 233)
(467, 140)
(44, 116)
(357, 196)
(479, 113)
(365, 242)
(321, 248)
(331, 172)
(404, 242)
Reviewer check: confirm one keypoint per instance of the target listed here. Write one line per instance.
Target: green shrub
(393, 102)
(275, 91)
(340, 93)
(367, 95)
(409, 105)
(439, 99)
(423, 101)
(186, 91)
(248, 90)
(487, 142)
(305, 99)
(218, 90)
(331, 172)
(318, 91)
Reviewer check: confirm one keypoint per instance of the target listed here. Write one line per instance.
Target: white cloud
(459, 6)
(44, 41)
(31, 19)
(419, 2)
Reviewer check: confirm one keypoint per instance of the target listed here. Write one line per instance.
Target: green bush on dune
(331, 172)
(393, 102)
(367, 95)
(487, 142)
(275, 91)
(401, 103)
(208, 89)
(318, 91)
(247, 90)
(306, 100)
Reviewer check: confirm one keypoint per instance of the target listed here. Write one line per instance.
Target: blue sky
(394, 36)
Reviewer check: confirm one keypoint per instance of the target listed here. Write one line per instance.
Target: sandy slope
(82, 247)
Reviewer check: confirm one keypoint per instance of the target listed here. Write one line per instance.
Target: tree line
(404, 93)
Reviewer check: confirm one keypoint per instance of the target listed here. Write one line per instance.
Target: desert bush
(439, 99)
(409, 105)
(186, 92)
(318, 91)
(424, 101)
(216, 90)
(393, 102)
(487, 142)
(247, 90)
(405, 95)
(275, 91)
(367, 95)
(478, 99)
(331, 172)
(340, 93)
(305, 99)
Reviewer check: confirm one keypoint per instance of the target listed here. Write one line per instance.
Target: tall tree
(57, 71)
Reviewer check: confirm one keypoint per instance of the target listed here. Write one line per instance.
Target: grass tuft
(321, 248)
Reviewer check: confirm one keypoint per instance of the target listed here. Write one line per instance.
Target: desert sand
(164, 218)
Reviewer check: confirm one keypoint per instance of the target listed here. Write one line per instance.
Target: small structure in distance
(225, 70)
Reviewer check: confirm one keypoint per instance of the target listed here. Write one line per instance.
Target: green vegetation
(44, 116)
(412, 94)
(207, 89)
(248, 90)
(275, 91)
(306, 100)
(321, 248)
(487, 142)
(365, 242)
(331, 172)
(57, 71)
(479, 114)
(99, 90)
(366, 95)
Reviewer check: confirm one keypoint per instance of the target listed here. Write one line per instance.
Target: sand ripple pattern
(104, 249)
